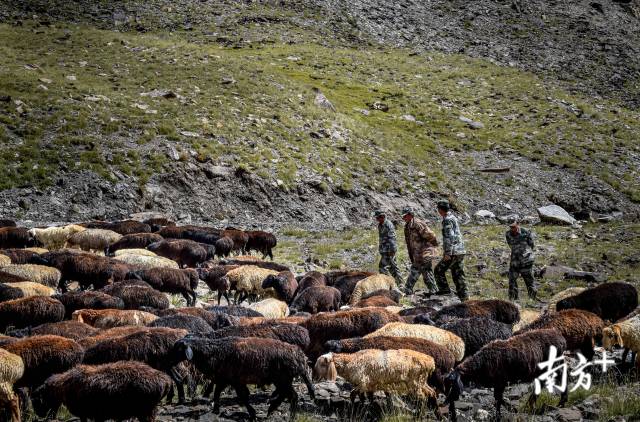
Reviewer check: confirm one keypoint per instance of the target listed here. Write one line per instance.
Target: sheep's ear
(188, 353)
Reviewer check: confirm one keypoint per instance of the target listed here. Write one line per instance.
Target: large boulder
(555, 214)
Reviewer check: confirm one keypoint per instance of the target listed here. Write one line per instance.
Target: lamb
(239, 238)
(240, 361)
(248, 281)
(92, 240)
(11, 370)
(262, 242)
(152, 346)
(317, 299)
(344, 324)
(402, 371)
(22, 256)
(29, 289)
(527, 316)
(498, 310)
(476, 332)
(157, 223)
(28, 311)
(37, 273)
(284, 284)
(580, 328)
(437, 335)
(44, 356)
(571, 291)
(55, 237)
(443, 358)
(87, 269)
(186, 253)
(146, 262)
(137, 296)
(223, 246)
(503, 362)
(610, 301)
(216, 320)
(624, 334)
(132, 241)
(171, 280)
(117, 391)
(371, 284)
(271, 308)
(109, 318)
(16, 237)
(310, 279)
(215, 280)
(288, 333)
(193, 324)
(74, 301)
(394, 294)
(73, 330)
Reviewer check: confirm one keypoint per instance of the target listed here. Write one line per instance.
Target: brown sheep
(215, 280)
(239, 238)
(23, 256)
(137, 294)
(284, 284)
(310, 279)
(74, 301)
(172, 280)
(223, 246)
(344, 324)
(376, 301)
(186, 253)
(110, 318)
(110, 333)
(216, 320)
(30, 311)
(133, 241)
(392, 294)
(261, 241)
(316, 299)
(86, 268)
(123, 227)
(73, 330)
(16, 237)
(498, 310)
(346, 282)
(158, 223)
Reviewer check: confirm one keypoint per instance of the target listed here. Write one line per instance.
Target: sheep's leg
(208, 389)
(186, 296)
(216, 396)
(625, 353)
(453, 416)
(353, 396)
(277, 398)
(432, 403)
(564, 396)
(11, 399)
(498, 394)
(226, 296)
(533, 399)
(243, 394)
(293, 399)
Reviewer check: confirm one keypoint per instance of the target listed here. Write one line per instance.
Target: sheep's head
(181, 351)
(46, 399)
(277, 282)
(334, 346)
(568, 303)
(325, 368)
(423, 319)
(453, 386)
(611, 336)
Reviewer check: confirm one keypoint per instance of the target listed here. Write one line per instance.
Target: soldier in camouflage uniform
(387, 246)
(520, 241)
(454, 252)
(421, 246)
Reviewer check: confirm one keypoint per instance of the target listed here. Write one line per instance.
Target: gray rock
(555, 214)
(481, 415)
(569, 414)
(482, 214)
(509, 218)
(471, 123)
(589, 276)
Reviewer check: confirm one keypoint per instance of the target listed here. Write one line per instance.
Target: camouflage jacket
(452, 243)
(387, 243)
(421, 242)
(521, 247)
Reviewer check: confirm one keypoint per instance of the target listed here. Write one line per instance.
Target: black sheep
(346, 283)
(5, 222)
(223, 246)
(240, 361)
(132, 241)
(157, 223)
(74, 330)
(284, 284)
(117, 391)
(261, 241)
(87, 269)
(288, 333)
(30, 311)
(172, 280)
(74, 301)
(193, 324)
(504, 362)
(9, 293)
(137, 294)
(216, 320)
(610, 301)
(496, 309)
(23, 256)
(238, 311)
(316, 299)
(186, 253)
(476, 332)
(16, 237)
(392, 294)
(310, 279)
(215, 279)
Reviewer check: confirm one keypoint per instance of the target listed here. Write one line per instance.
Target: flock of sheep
(87, 324)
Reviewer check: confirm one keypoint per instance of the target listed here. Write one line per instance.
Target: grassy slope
(264, 121)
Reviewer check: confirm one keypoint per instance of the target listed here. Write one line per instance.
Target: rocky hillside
(206, 110)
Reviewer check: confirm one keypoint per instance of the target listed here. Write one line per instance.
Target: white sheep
(403, 372)
(527, 316)
(93, 240)
(571, 291)
(146, 262)
(370, 285)
(37, 250)
(29, 288)
(143, 252)
(42, 274)
(4, 261)
(271, 308)
(55, 237)
(624, 334)
(428, 332)
(11, 370)
(247, 280)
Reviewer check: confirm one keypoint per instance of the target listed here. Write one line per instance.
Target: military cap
(378, 213)
(407, 210)
(443, 204)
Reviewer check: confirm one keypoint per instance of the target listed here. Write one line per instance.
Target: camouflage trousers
(426, 271)
(526, 272)
(389, 266)
(456, 265)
